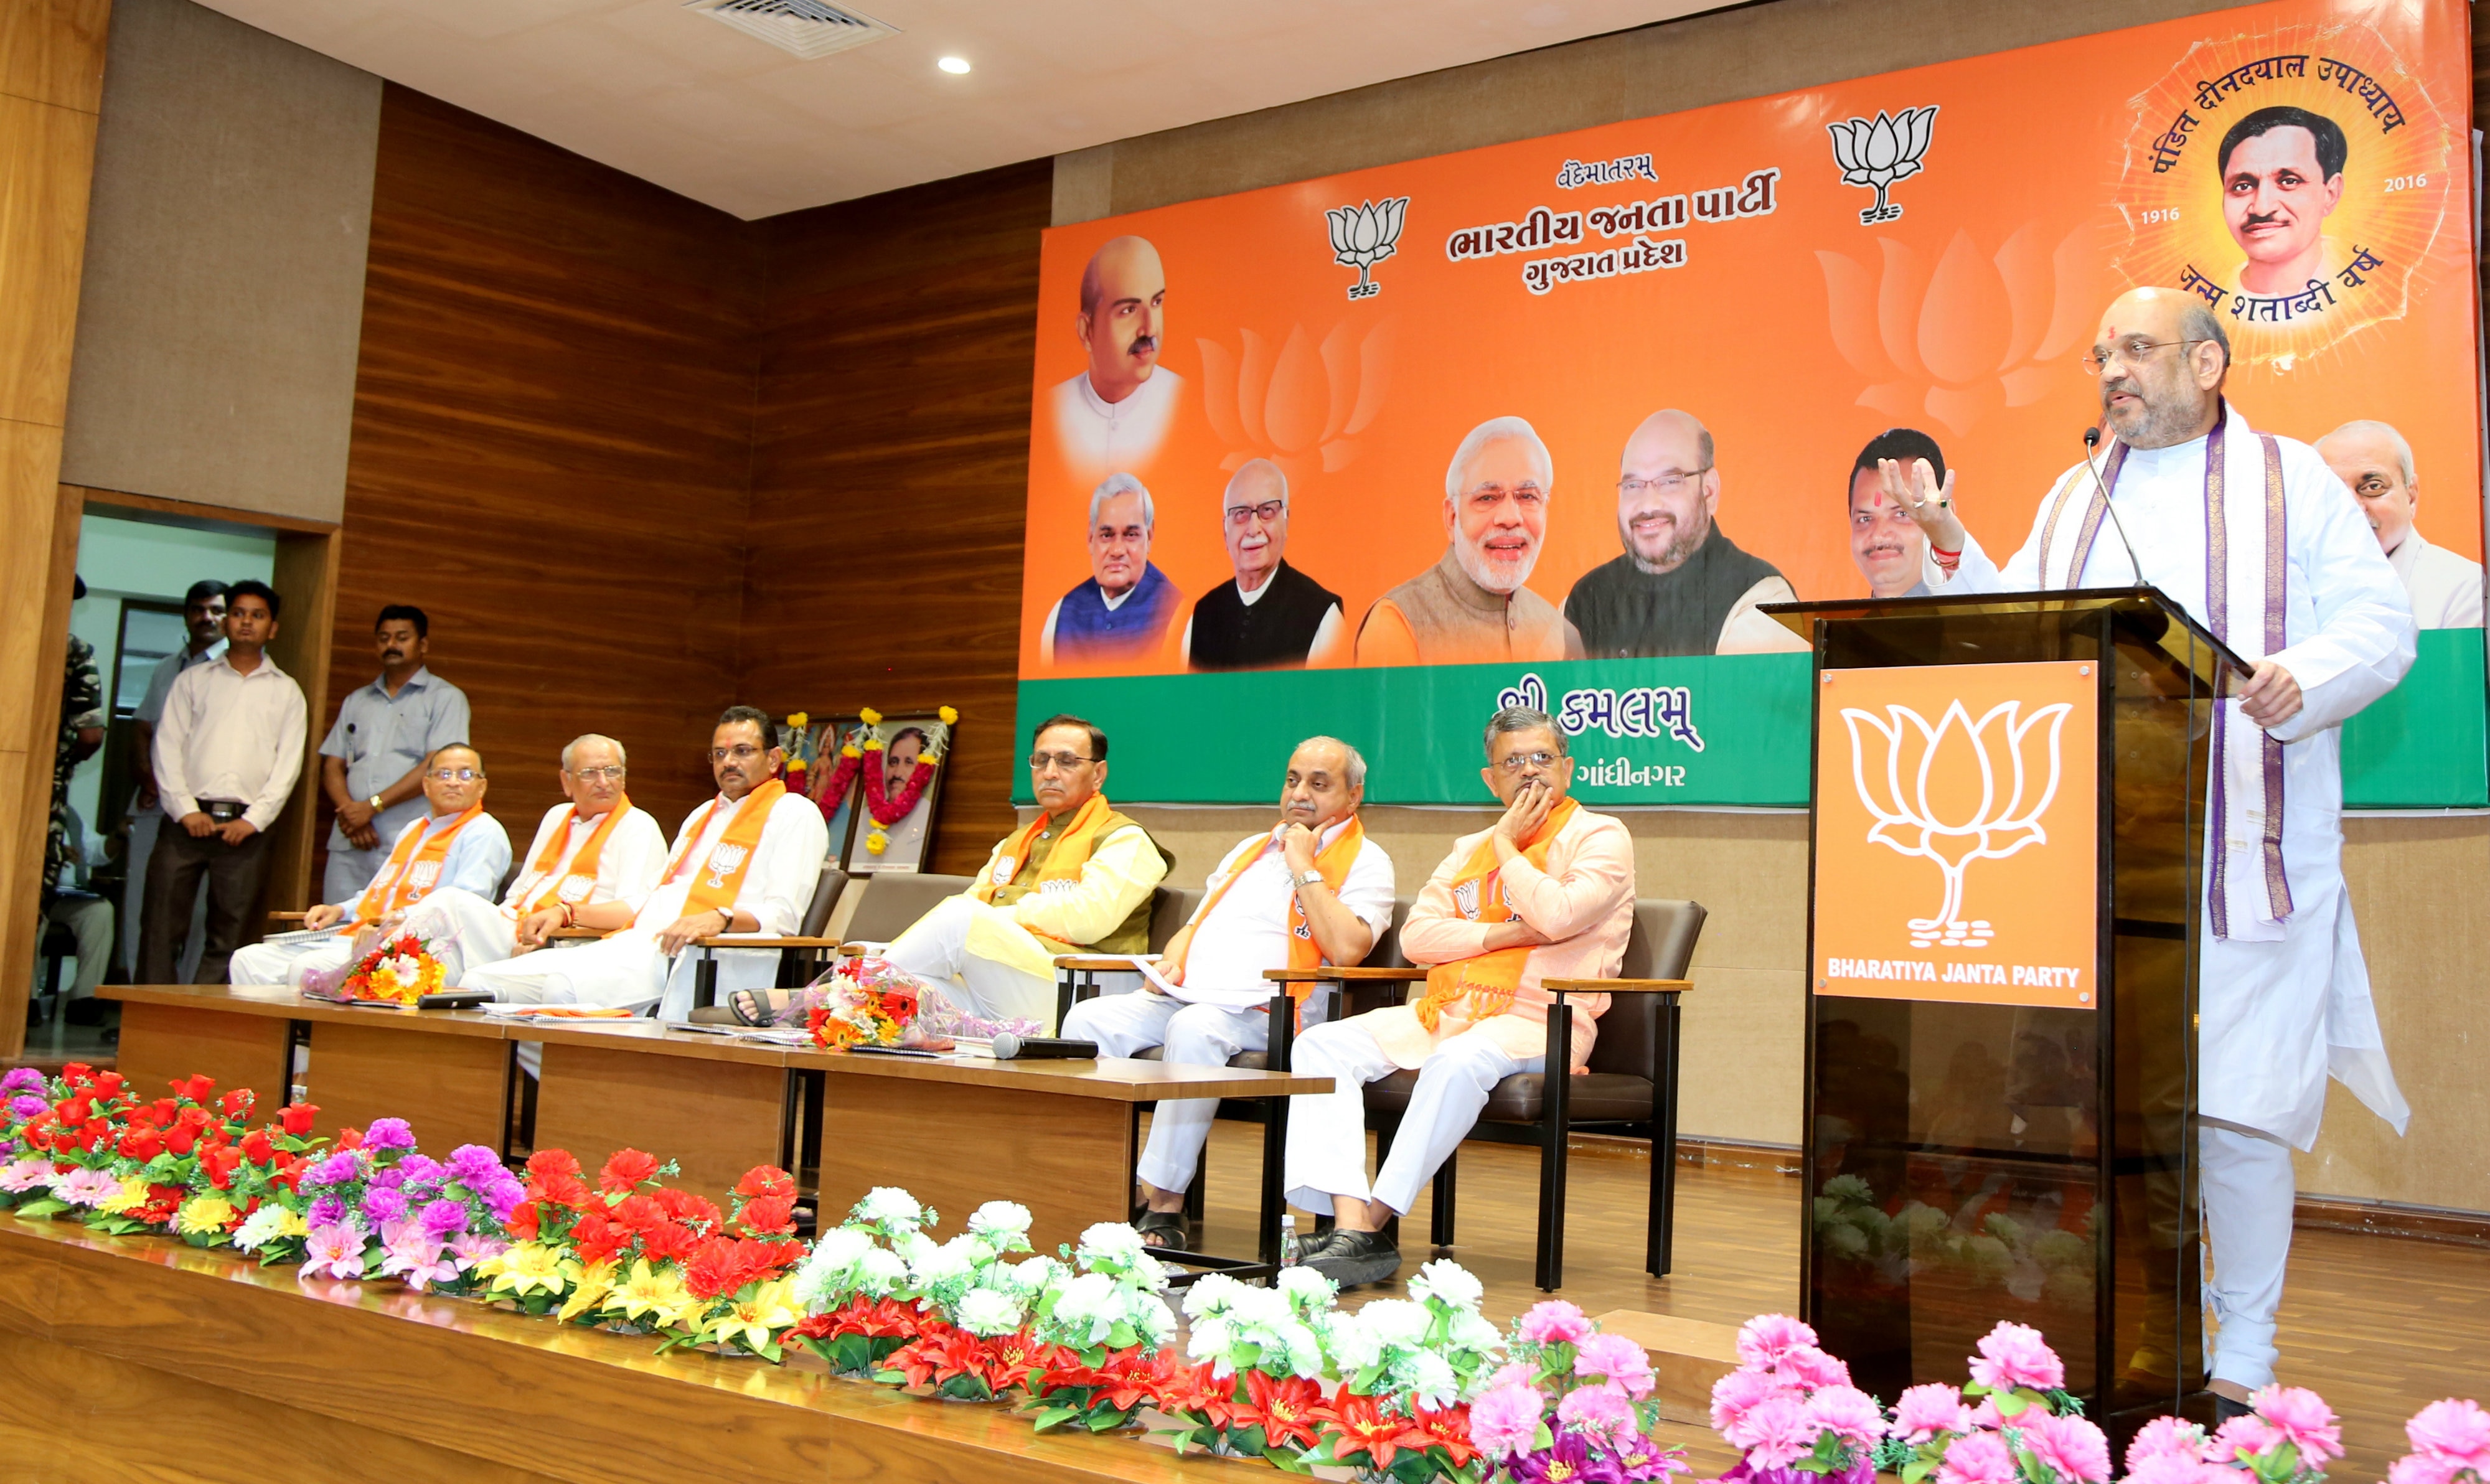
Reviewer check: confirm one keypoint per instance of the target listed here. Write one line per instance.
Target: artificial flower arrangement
(2450, 1442)
(866, 744)
(399, 971)
(1573, 1403)
(866, 1001)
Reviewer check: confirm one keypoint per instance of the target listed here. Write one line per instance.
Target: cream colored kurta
(2444, 589)
(1119, 875)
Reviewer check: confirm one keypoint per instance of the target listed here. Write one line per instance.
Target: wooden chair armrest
(287, 916)
(1616, 986)
(1094, 963)
(575, 934)
(1358, 975)
(765, 941)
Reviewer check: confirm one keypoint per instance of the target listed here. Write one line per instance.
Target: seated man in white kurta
(2284, 995)
(746, 862)
(456, 845)
(592, 863)
(1078, 876)
(1311, 890)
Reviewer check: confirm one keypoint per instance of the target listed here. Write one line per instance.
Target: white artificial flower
(1210, 1340)
(1396, 1322)
(1476, 1335)
(1427, 1376)
(1082, 1307)
(830, 1268)
(259, 1228)
(1033, 1277)
(1260, 1308)
(1211, 1296)
(1152, 1320)
(880, 1273)
(911, 1245)
(889, 1206)
(1302, 1347)
(1447, 1282)
(1308, 1292)
(950, 1262)
(1147, 1272)
(985, 1312)
(1353, 1342)
(1108, 1244)
(1002, 1224)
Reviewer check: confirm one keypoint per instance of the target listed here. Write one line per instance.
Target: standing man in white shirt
(2377, 463)
(371, 766)
(203, 615)
(745, 862)
(227, 754)
(1309, 891)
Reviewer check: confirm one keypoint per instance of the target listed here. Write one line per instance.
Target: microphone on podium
(1008, 1047)
(2092, 440)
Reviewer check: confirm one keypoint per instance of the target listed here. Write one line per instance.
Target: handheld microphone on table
(1008, 1047)
(2092, 440)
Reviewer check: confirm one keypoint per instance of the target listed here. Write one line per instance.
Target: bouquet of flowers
(1259, 1366)
(357, 1207)
(2024, 1428)
(850, 1286)
(2286, 1437)
(1572, 1403)
(738, 1276)
(1790, 1410)
(1114, 1324)
(540, 1268)
(864, 1001)
(401, 970)
(2450, 1444)
(973, 1337)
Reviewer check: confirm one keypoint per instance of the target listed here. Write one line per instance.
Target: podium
(2006, 837)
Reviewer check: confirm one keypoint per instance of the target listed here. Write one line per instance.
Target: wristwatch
(1311, 879)
(375, 802)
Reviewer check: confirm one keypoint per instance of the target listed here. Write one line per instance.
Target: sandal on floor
(1166, 1226)
(760, 1006)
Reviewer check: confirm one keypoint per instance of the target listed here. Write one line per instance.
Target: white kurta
(1247, 931)
(469, 927)
(626, 971)
(1100, 438)
(2276, 1015)
(473, 863)
(2444, 589)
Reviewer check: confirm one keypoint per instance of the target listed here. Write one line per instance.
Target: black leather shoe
(1352, 1257)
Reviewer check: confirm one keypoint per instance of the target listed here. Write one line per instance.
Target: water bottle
(1289, 1240)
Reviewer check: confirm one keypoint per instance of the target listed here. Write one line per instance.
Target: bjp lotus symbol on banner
(1879, 152)
(1365, 235)
(1913, 778)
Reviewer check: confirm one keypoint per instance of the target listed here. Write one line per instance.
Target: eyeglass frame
(1513, 762)
(454, 774)
(1684, 476)
(1064, 761)
(1269, 511)
(739, 751)
(612, 772)
(2095, 365)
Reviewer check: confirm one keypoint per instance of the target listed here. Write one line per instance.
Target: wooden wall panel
(551, 451)
(890, 469)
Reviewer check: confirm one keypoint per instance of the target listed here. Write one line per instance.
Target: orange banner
(1600, 393)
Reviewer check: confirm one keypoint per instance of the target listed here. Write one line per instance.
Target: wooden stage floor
(2380, 1325)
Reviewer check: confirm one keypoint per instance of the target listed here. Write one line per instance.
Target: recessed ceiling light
(955, 66)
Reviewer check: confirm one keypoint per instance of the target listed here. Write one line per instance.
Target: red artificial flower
(1284, 1409)
(163, 1111)
(563, 1190)
(668, 1241)
(686, 1207)
(236, 1104)
(1194, 1391)
(142, 1142)
(109, 1083)
(626, 1170)
(710, 1270)
(597, 1238)
(74, 1110)
(162, 1202)
(1132, 1376)
(181, 1140)
(765, 1181)
(295, 1117)
(1450, 1431)
(95, 1135)
(220, 1163)
(639, 1214)
(348, 1138)
(197, 1090)
(1365, 1427)
(814, 1327)
(289, 1169)
(256, 1147)
(920, 1359)
(522, 1224)
(770, 1215)
(76, 1074)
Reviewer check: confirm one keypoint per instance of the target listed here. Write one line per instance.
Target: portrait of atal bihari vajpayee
(2282, 176)
(2376, 461)
(1682, 586)
(1121, 612)
(1112, 416)
(1271, 616)
(1887, 544)
(1471, 607)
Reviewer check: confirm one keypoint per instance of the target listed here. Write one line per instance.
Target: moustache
(1142, 346)
(2261, 219)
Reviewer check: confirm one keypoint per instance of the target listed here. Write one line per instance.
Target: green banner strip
(1704, 730)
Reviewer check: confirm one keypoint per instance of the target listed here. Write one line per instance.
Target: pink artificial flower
(1774, 1432)
(2178, 1468)
(2166, 1436)
(2069, 1447)
(1602, 1408)
(334, 1251)
(86, 1187)
(1978, 1458)
(2012, 1355)
(1505, 1420)
(24, 1174)
(2458, 1432)
(468, 1248)
(2243, 1438)
(1848, 1413)
(1617, 1358)
(1555, 1322)
(1808, 1368)
(1922, 1412)
(415, 1254)
(1737, 1393)
(2304, 1419)
(1767, 1337)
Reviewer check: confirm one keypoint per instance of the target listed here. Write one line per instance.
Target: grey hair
(1356, 759)
(2394, 439)
(1250, 466)
(570, 748)
(1498, 431)
(1524, 719)
(2197, 323)
(1124, 484)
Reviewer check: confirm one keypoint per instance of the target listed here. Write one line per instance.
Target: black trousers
(174, 870)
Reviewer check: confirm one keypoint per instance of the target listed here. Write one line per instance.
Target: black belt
(225, 811)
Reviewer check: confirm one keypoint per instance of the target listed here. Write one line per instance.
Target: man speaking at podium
(2261, 543)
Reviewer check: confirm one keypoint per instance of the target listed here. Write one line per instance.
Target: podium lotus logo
(1879, 152)
(1915, 780)
(1365, 235)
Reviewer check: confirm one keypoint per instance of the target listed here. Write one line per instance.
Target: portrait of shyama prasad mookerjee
(1112, 416)
(2281, 176)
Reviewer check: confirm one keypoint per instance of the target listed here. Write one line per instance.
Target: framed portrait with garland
(878, 779)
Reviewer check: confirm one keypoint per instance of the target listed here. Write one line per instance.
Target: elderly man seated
(745, 862)
(1548, 893)
(1077, 876)
(592, 864)
(1311, 890)
(456, 844)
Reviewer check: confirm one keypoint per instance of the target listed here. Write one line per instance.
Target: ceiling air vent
(808, 28)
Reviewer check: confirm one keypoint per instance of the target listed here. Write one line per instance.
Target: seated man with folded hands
(1311, 890)
(1548, 893)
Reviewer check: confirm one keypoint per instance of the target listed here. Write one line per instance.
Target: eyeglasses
(740, 752)
(455, 774)
(1518, 761)
(1267, 512)
(1527, 496)
(1059, 762)
(2135, 352)
(613, 775)
(1663, 485)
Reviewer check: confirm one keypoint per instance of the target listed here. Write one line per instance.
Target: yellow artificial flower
(872, 717)
(877, 841)
(799, 721)
(201, 1215)
(290, 1224)
(849, 749)
(950, 717)
(595, 1281)
(131, 1195)
(531, 1267)
(655, 1295)
(753, 1322)
(873, 744)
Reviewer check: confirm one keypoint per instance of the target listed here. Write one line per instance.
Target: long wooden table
(144, 1358)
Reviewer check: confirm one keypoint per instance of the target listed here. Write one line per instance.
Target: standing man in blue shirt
(371, 766)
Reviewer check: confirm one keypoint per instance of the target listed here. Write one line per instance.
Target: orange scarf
(543, 889)
(1488, 980)
(721, 875)
(1070, 854)
(1333, 861)
(411, 868)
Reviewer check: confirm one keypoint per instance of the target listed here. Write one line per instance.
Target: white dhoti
(1194, 1035)
(980, 959)
(286, 963)
(1326, 1154)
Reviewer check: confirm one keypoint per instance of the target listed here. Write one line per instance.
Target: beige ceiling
(673, 97)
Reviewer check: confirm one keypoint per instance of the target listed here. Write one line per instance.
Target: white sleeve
(1330, 649)
(173, 741)
(292, 732)
(786, 866)
(635, 857)
(2364, 638)
(1368, 890)
(1978, 572)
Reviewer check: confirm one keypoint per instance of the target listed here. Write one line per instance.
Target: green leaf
(1051, 1416)
(2009, 1404)
(1913, 1473)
